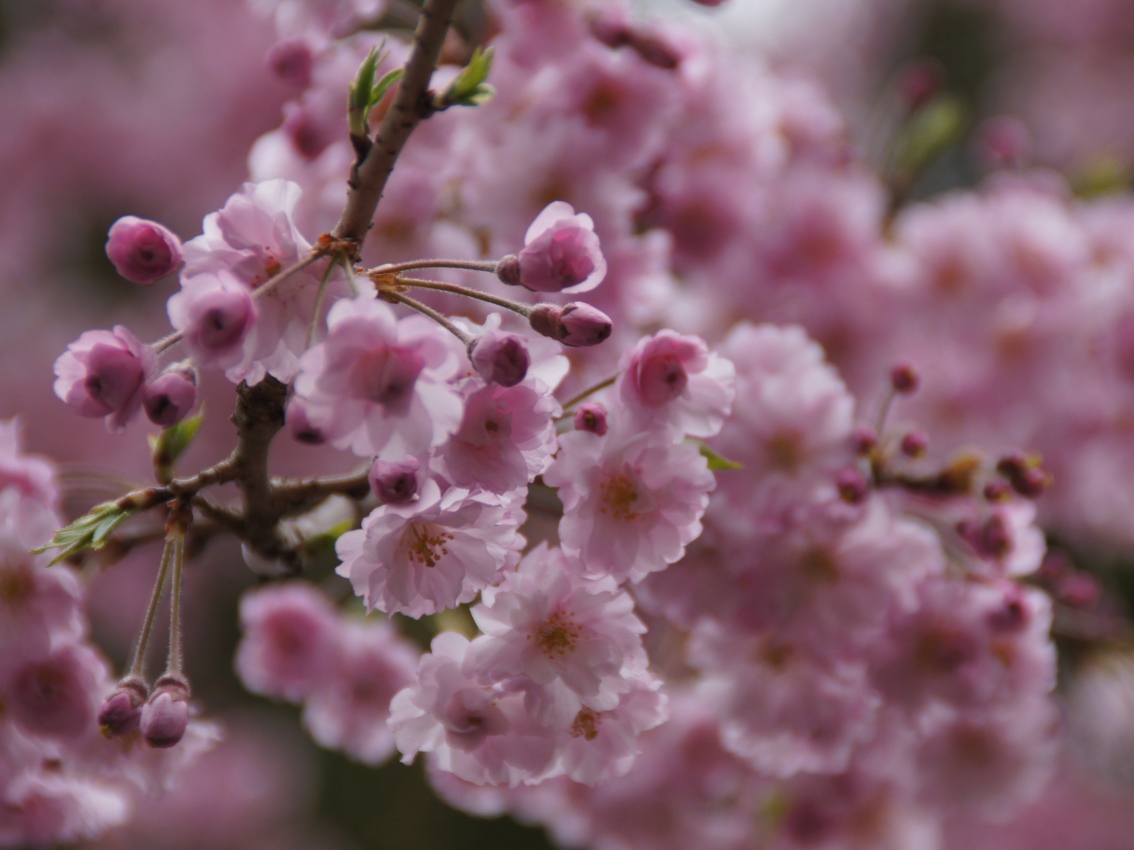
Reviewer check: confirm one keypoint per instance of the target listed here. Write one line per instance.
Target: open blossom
(378, 384)
(431, 554)
(575, 639)
(142, 251)
(674, 381)
(481, 734)
(561, 253)
(505, 439)
(630, 503)
(218, 317)
(103, 374)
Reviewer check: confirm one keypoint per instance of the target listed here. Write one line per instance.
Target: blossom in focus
(561, 253)
(103, 374)
(142, 251)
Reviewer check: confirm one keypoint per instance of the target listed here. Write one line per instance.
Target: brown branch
(299, 495)
(411, 104)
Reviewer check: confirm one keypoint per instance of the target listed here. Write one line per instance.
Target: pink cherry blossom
(431, 554)
(103, 373)
(142, 251)
(630, 503)
(561, 253)
(378, 384)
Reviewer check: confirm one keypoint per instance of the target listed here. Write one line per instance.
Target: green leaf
(168, 446)
(383, 86)
(717, 463)
(929, 133)
(359, 101)
(469, 87)
(90, 531)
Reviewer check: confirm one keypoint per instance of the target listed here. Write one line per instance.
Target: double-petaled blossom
(631, 502)
(142, 251)
(379, 384)
(574, 640)
(433, 553)
(103, 373)
(561, 253)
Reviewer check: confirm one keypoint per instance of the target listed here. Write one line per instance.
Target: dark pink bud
(307, 134)
(1078, 590)
(300, 426)
(142, 251)
(221, 319)
(394, 483)
(591, 417)
(852, 485)
(165, 716)
(170, 397)
(996, 491)
(1011, 615)
(121, 712)
(292, 61)
(582, 325)
(904, 378)
(500, 358)
(544, 319)
(914, 444)
(994, 539)
(102, 373)
(508, 270)
(865, 439)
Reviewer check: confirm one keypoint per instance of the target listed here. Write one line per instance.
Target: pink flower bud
(168, 398)
(142, 251)
(165, 716)
(561, 253)
(102, 374)
(864, 439)
(591, 417)
(394, 483)
(852, 485)
(904, 378)
(914, 444)
(292, 61)
(219, 319)
(121, 712)
(581, 325)
(500, 358)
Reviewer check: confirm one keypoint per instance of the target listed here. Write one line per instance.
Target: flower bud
(581, 325)
(561, 253)
(591, 417)
(852, 485)
(914, 444)
(121, 712)
(219, 320)
(904, 378)
(292, 61)
(142, 251)
(500, 358)
(165, 715)
(169, 397)
(394, 483)
(102, 374)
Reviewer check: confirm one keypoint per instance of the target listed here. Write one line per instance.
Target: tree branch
(411, 103)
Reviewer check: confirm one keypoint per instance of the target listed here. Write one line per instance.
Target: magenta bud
(1011, 616)
(170, 397)
(852, 485)
(544, 319)
(508, 270)
(121, 712)
(223, 317)
(865, 440)
(500, 358)
(165, 716)
(300, 426)
(914, 444)
(292, 61)
(996, 491)
(904, 378)
(591, 417)
(394, 483)
(142, 251)
(582, 325)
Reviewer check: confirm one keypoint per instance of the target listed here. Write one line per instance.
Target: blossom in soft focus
(103, 373)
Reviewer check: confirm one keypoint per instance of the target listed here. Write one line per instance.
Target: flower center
(623, 497)
(557, 635)
(586, 725)
(426, 544)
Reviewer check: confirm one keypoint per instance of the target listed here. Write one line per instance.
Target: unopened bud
(222, 317)
(508, 270)
(583, 325)
(904, 378)
(394, 483)
(591, 417)
(142, 251)
(292, 61)
(169, 397)
(914, 444)
(121, 712)
(852, 485)
(165, 716)
(500, 358)
(865, 440)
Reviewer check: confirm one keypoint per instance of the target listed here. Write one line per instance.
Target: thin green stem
(515, 306)
(467, 265)
(601, 385)
(274, 281)
(138, 658)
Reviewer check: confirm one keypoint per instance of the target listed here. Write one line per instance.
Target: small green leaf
(929, 133)
(168, 446)
(359, 101)
(383, 86)
(717, 463)
(469, 87)
(90, 531)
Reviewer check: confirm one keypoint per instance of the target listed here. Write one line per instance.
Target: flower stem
(431, 313)
(138, 658)
(515, 306)
(467, 265)
(601, 385)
